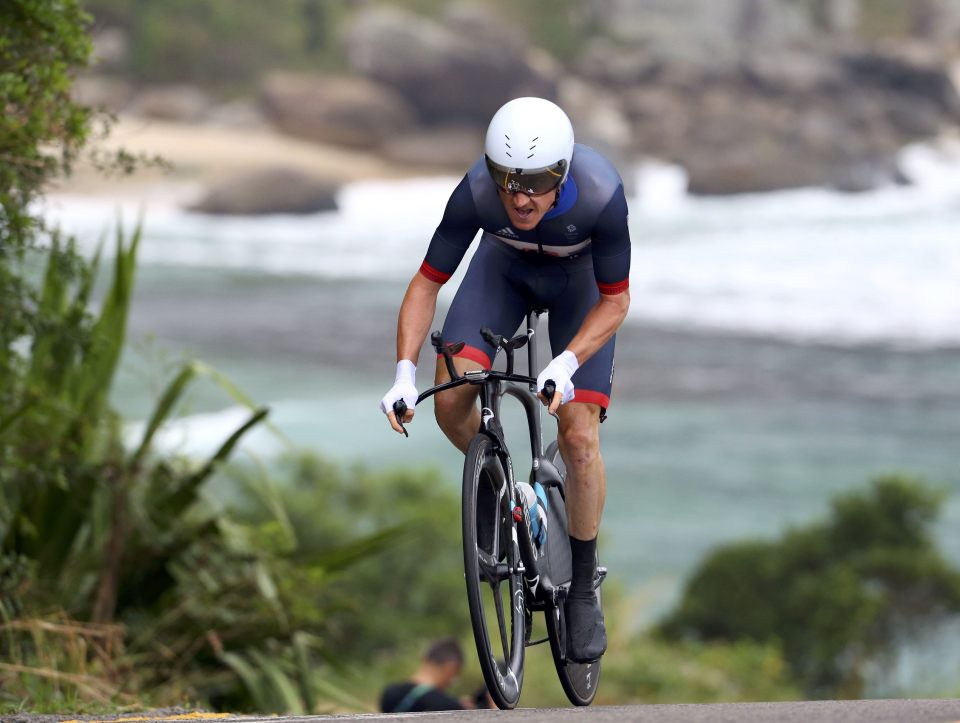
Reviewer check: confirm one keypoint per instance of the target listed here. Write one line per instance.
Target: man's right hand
(404, 387)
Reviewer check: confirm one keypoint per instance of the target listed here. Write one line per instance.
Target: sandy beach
(200, 154)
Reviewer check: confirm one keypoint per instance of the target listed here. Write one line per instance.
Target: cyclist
(554, 221)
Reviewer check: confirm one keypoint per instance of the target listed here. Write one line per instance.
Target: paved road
(861, 711)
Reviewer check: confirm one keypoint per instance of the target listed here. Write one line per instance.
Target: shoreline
(201, 154)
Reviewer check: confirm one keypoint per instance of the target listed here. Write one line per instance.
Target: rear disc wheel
(579, 680)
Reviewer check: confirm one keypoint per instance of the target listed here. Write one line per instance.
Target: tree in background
(42, 45)
(835, 595)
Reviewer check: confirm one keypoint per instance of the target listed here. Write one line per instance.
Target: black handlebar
(447, 351)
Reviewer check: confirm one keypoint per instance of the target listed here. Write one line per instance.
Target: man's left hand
(561, 371)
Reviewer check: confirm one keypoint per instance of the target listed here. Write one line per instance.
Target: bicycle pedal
(601, 576)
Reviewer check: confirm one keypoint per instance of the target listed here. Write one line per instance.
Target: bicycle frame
(494, 385)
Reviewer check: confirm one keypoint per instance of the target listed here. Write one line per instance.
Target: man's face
(525, 210)
(449, 672)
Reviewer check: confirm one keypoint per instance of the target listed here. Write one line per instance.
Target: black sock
(584, 553)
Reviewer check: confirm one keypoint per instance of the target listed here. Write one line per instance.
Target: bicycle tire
(578, 680)
(491, 563)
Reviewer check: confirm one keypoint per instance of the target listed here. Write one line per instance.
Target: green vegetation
(835, 595)
(226, 44)
(41, 132)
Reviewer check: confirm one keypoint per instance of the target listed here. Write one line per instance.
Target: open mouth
(523, 214)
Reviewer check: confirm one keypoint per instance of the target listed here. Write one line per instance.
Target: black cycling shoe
(586, 634)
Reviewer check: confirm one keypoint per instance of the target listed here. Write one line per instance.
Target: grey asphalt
(858, 711)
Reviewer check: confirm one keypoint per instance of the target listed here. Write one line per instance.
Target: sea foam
(811, 265)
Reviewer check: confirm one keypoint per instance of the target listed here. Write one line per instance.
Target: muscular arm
(416, 314)
(611, 266)
(601, 323)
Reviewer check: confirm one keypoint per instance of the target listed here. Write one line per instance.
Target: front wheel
(579, 680)
(491, 559)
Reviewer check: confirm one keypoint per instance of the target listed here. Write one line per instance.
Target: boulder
(457, 72)
(750, 143)
(598, 118)
(354, 112)
(450, 148)
(786, 118)
(911, 72)
(179, 102)
(270, 191)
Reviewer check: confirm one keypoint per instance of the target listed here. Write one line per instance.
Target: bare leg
(456, 409)
(586, 482)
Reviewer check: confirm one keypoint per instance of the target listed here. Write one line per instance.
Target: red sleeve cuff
(614, 289)
(431, 273)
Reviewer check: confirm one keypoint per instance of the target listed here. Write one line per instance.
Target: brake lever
(549, 389)
(399, 411)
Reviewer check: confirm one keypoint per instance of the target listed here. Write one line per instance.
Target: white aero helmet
(529, 146)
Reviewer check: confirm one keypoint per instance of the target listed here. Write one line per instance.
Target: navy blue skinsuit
(579, 250)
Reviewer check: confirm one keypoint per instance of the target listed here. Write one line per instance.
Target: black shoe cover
(586, 634)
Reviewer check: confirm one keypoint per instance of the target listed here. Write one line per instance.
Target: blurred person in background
(554, 220)
(440, 665)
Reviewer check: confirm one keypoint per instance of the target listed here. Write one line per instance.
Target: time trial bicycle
(511, 571)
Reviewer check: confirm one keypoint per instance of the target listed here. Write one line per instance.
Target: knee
(449, 408)
(581, 444)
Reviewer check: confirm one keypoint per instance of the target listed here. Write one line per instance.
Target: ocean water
(780, 349)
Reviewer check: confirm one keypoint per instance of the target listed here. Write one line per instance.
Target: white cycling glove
(404, 387)
(560, 370)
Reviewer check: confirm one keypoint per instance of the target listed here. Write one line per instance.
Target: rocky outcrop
(353, 112)
(779, 118)
(457, 71)
(275, 190)
(755, 95)
(747, 95)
